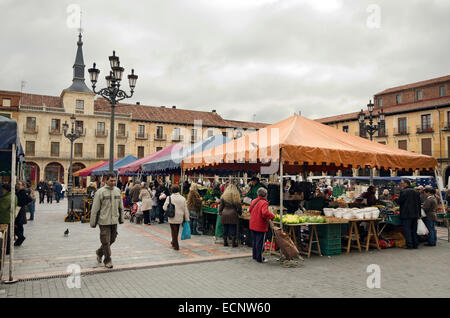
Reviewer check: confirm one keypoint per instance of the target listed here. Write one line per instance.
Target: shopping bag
(421, 228)
(186, 233)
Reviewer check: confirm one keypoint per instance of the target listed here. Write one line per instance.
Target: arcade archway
(54, 171)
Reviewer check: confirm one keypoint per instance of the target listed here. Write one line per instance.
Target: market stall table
(353, 235)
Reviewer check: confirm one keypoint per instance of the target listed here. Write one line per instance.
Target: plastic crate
(210, 210)
(326, 252)
(393, 219)
(329, 231)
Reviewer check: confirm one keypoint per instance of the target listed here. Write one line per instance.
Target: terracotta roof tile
(417, 84)
(245, 124)
(391, 109)
(41, 100)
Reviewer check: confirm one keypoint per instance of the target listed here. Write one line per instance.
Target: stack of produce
(299, 219)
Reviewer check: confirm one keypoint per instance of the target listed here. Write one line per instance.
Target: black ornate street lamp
(371, 128)
(113, 93)
(73, 135)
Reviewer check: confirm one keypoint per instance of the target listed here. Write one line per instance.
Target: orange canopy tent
(303, 145)
(91, 167)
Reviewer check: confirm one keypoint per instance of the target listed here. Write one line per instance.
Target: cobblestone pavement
(404, 273)
(46, 252)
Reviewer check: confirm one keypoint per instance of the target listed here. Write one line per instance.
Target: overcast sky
(241, 57)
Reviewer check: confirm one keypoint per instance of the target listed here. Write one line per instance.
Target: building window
(193, 135)
(210, 133)
(442, 91)
(398, 99)
(101, 127)
(31, 123)
(140, 152)
(224, 133)
(54, 149)
(100, 150)
(426, 122)
(345, 129)
(120, 151)
(6, 102)
(159, 148)
(79, 107)
(79, 126)
(380, 102)
(426, 146)
(56, 124)
(159, 132)
(419, 94)
(403, 144)
(29, 148)
(121, 131)
(176, 133)
(402, 126)
(78, 150)
(141, 131)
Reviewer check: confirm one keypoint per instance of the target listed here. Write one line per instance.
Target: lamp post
(113, 93)
(371, 128)
(72, 136)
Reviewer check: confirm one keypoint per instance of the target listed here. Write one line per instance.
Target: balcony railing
(381, 133)
(361, 135)
(401, 131)
(54, 131)
(121, 134)
(141, 136)
(82, 132)
(31, 130)
(424, 129)
(177, 138)
(158, 137)
(194, 139)
(101, 133)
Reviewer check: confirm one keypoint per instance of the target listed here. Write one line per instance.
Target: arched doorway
(78, 181)
(32, 173)
(54, 171)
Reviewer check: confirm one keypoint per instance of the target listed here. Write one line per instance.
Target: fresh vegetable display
(299, 219)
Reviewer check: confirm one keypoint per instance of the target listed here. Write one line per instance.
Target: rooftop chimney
(174, 106)
(163, 106)
(213, 110)
(138, 103)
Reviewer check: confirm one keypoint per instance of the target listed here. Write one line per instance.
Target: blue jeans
(410, 232)
(153, 213)
(57, 194)
(32, 207)
(432, 237)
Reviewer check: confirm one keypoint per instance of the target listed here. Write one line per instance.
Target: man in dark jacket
(134, 192)
(410, 205)
(57, 188)
(42, 188)
(161, 200)
(23, 199)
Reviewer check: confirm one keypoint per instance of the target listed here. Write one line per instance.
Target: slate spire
(78, 84)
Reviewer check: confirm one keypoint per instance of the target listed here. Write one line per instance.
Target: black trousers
(161, 214)
(49, 198)
(174, 229)
(19, 232)
(41, 196)
(410, 232)
(229, 230)
(258, 245)
(146, 216)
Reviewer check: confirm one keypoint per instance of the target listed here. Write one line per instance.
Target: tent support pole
(13, 210)
(182, 180)
(442, 202)
(281, 190)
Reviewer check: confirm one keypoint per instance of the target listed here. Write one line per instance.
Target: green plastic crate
(326, 252)
(393, 219)
(209, 210)
(330, 247)
(329, 232)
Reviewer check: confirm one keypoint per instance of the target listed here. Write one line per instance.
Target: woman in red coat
(259, 223)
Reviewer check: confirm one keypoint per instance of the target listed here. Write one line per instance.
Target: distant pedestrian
(259, 223)
(154, 205)
(146, 197)
(430, 207)
(181, 213)
(32, 205)
(107, 212)
(42, 189)
(63, 190)
(194, 204)
(119, 185)
(161, 193)
(230, 208)
(134, 192)
(50, 192)
(410, 205)
(23, 199)
(91, 189)
(57, 188)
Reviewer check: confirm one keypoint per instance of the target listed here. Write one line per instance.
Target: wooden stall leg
(369, 236)
(317, 239)
(350, 236)
(375, 235)
(357, 237)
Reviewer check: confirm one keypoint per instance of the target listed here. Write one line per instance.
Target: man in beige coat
(181, 213)
(107, 211)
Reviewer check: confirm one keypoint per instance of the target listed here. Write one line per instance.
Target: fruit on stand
(299, 219)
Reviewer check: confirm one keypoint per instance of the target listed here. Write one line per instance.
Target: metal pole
(281, 191)
(69, 181)
(442, 202)
(111, 143)
(12, 215)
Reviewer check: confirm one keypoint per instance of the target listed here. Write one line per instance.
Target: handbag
(186, 233)
(170, 212)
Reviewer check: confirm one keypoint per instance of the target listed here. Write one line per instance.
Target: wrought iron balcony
(31, 130)
(101, 133)
(121, 134)
(54, 131)
(446, 126)
(177, 138)
(401, 131)
(424, 129)
(159, 137)
(141, 136)
(381, 133)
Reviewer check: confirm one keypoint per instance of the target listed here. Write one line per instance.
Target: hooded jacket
(107, 208)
